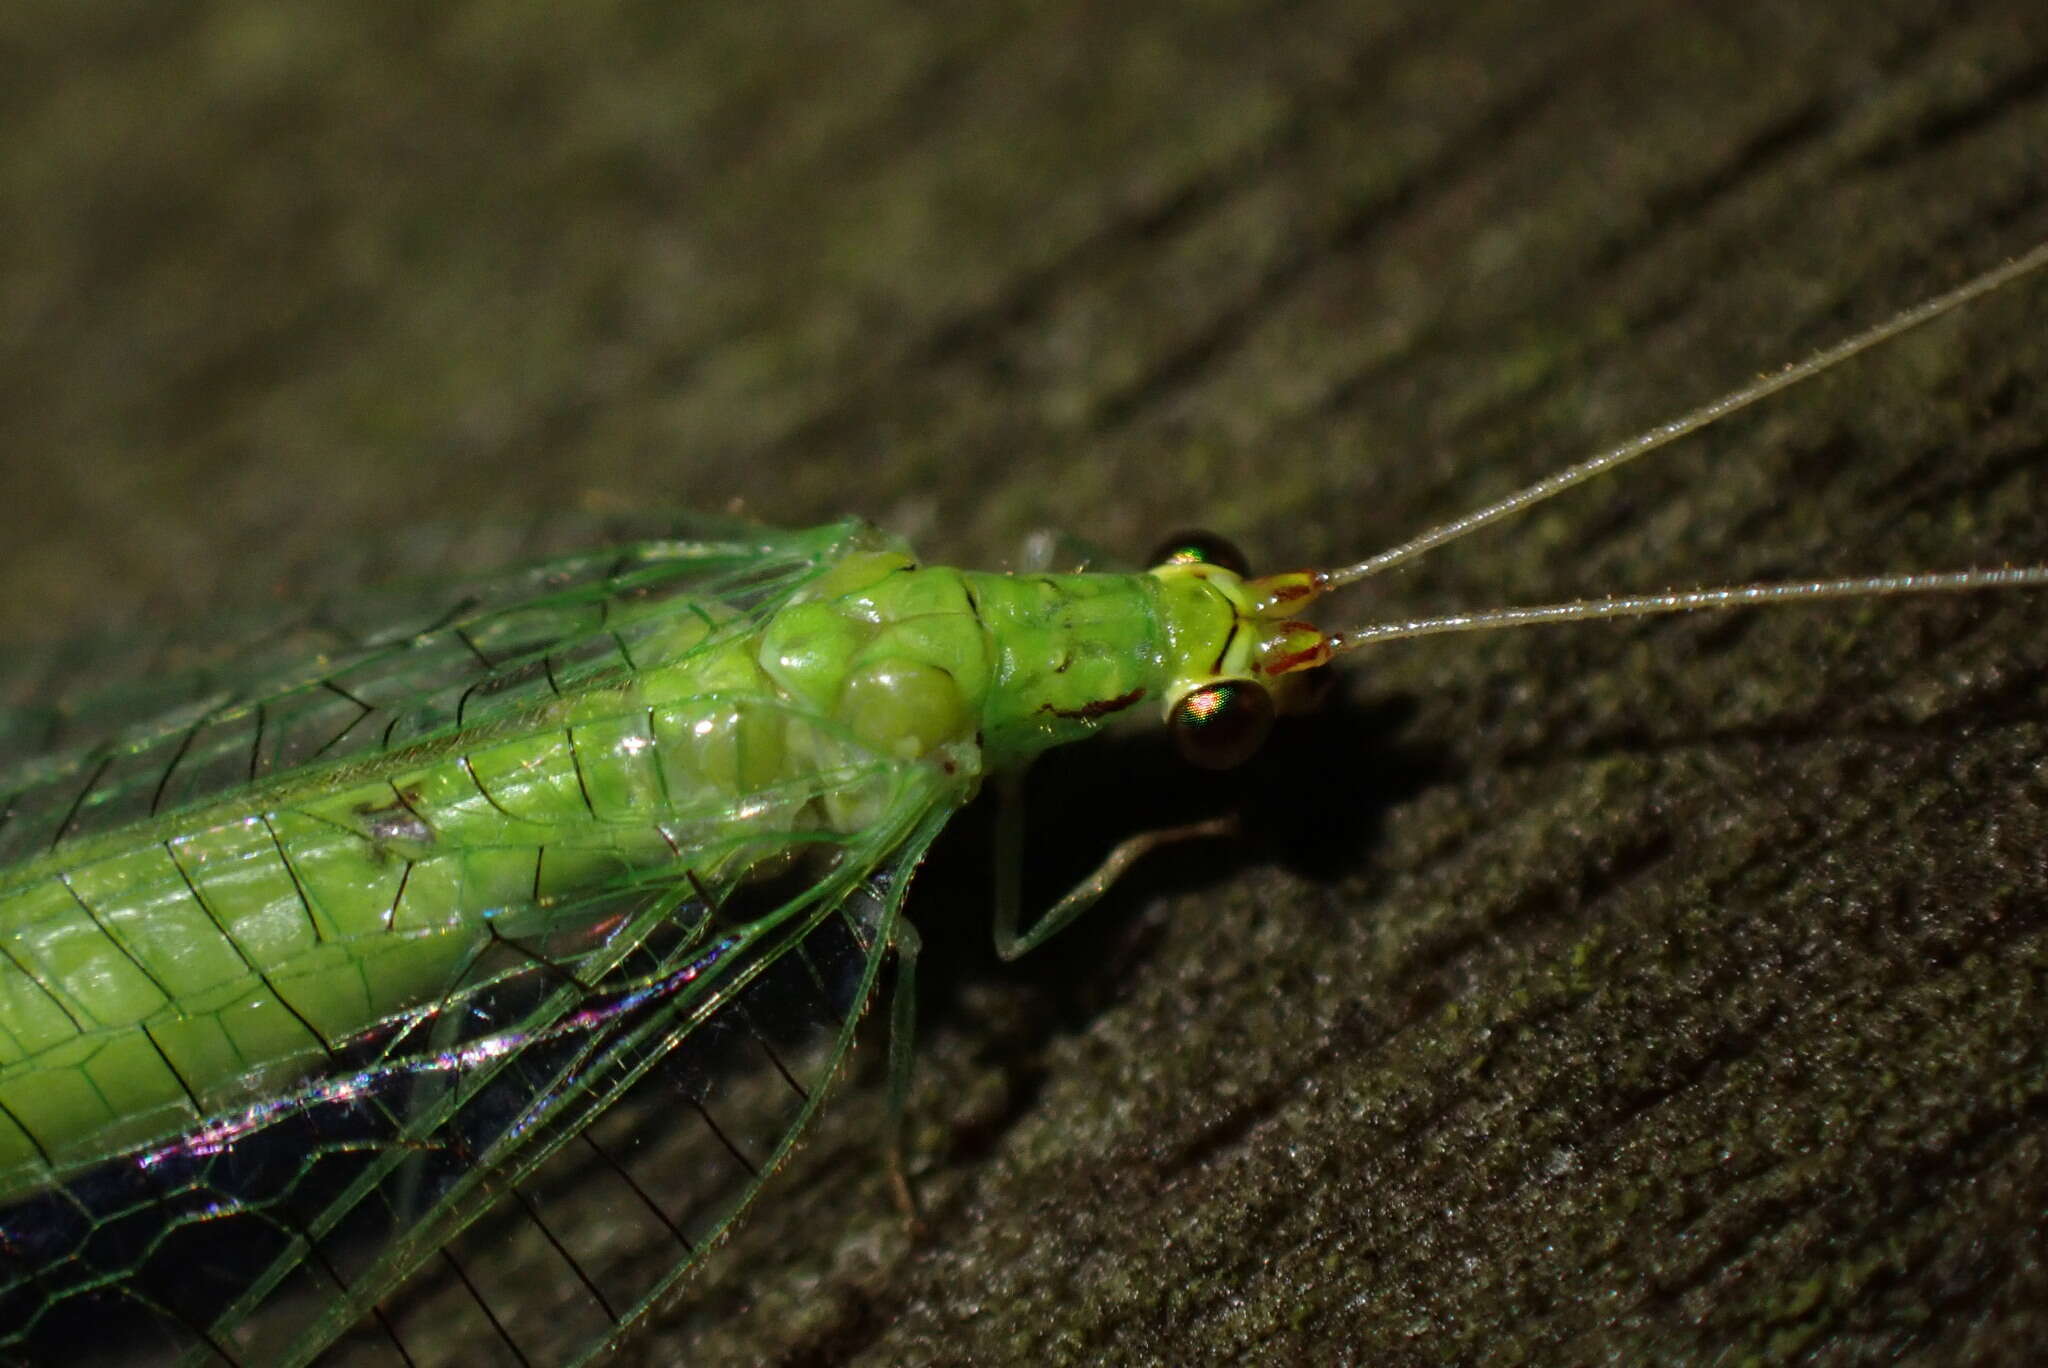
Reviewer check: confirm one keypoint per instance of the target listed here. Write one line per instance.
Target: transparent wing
(380, 588)
(352, 1205)
(127, 732)
(411, 1202)
(75, 692)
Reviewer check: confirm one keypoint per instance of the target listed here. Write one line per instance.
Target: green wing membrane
(149, 727)
(455, 1184)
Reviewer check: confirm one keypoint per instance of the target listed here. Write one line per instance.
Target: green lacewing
(339, 970)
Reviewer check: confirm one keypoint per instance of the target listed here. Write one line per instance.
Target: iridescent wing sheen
(462, 1188)
(403, 1202)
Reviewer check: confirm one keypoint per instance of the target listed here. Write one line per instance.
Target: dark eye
(1201, 548)
(1220, 725)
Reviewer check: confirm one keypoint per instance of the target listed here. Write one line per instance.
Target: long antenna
(1686, 600)
(1667, 433)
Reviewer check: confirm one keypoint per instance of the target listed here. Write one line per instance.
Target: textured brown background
(1618, 993)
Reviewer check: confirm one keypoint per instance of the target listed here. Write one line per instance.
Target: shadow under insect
(1312, 800)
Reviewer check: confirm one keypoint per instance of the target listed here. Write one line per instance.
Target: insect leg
(1010, 943)
(902, 1039)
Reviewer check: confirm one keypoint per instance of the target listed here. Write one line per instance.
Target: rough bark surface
(1667, 992)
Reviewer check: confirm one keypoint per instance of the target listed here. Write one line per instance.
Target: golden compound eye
(1220, 725)
(1201, 548)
